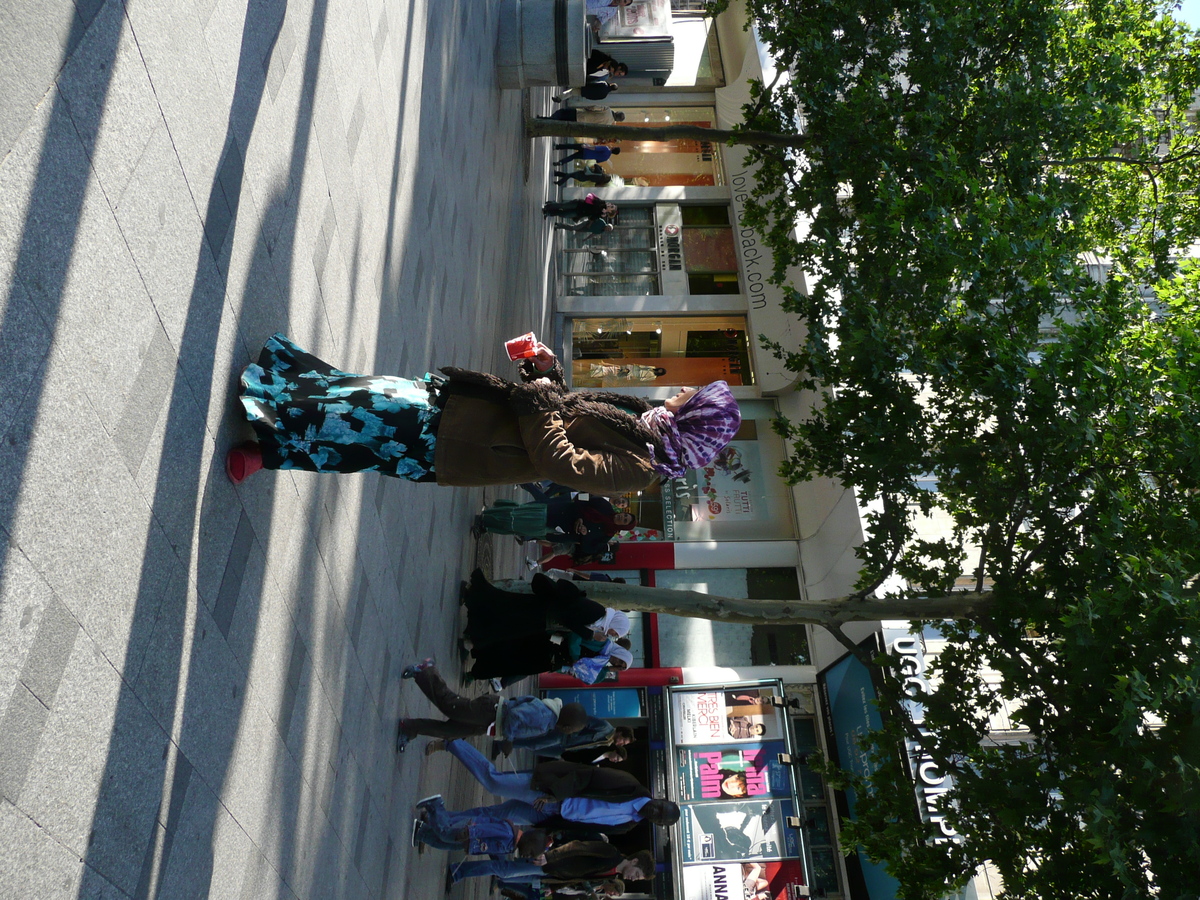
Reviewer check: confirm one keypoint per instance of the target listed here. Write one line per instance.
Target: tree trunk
(559, 129)
(955, 605)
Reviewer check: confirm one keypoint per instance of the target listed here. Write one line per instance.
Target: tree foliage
(971, 169)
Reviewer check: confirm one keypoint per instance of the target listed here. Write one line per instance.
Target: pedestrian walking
(590, 152)
(601, 65)
(497, 617)
(586, 660)
(590, 207)
(516, 719)
(573, 861)
(564, 520)
(592, 175)
(551, 780)
(588, 115)
(593, 90)
(605, 816)
(480, 833)
(472, 428)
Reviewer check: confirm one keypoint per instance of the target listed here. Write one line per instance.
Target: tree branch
(834, 611)
(556, 128)
(764, 96)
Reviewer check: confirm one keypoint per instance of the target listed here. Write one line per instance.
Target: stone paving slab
(199, 682)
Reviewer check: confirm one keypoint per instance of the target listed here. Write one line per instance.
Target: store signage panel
(725, 716)
(776, 880)
(671, 269)
(727, 489)
(849, 713)
(737, 830)
(930, 782)
(738, 838)
(740, 771)
(637, 19)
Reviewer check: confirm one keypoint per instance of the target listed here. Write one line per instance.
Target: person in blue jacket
(606, 816)
(594, 733)
(526, 719)
(480, 834)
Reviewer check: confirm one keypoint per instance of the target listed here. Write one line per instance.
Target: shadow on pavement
(153, 829)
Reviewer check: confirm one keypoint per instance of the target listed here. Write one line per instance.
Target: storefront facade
(677, 294)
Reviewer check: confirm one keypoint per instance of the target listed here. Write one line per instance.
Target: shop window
(825, 872)
(697, 50)
(709, 250)
(623, 261)
(713, 283)
(668, 352)
(780, 645)
(728, 344)
(777, 645)
(679, 162)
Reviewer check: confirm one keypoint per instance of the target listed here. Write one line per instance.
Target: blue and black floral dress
(309, 415)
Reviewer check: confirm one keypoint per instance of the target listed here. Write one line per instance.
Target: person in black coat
(561, 779)
(501, 617)
(601, 64)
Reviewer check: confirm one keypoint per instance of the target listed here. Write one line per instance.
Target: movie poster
(783, 880)
(746, 829)
(719, 717)
(744, 771)
(728, 486)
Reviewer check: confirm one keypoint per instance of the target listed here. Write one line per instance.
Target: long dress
(309, 415)
(527, 520)
(531, 655)
(497, 618)
(501, 617)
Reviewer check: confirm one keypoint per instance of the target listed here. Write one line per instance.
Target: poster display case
(739, 834)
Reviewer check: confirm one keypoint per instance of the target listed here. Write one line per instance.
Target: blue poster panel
(746, 829)
(740, 771)
(604, 703)
(848, 697)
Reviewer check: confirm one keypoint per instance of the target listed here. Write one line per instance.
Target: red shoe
(243, 461)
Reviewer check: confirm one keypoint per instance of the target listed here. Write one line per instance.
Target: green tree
(964, 171)
(967, 161)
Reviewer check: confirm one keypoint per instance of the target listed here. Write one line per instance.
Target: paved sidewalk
(199, 683)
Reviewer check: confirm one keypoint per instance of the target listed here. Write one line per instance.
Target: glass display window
(680, 162)
(659, 352)
(709, 250)
(611, 21)
(620, 262)
(697, 60)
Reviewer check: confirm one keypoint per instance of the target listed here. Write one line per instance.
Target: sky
(1190, 12)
